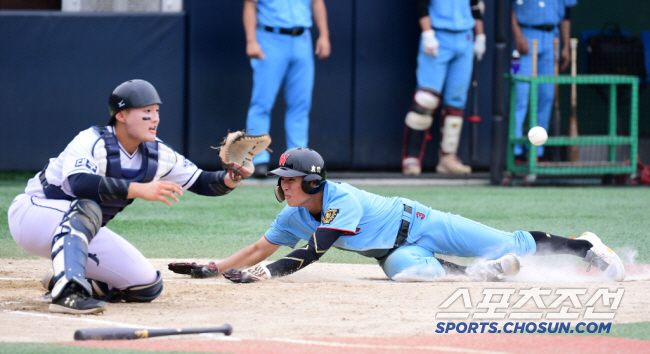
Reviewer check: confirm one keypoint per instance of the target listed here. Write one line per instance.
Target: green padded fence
(611, 143)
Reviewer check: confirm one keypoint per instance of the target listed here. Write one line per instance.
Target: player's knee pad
(418, 121)
(70, 245)
(425, 101)
(452, 124)
(143, 293)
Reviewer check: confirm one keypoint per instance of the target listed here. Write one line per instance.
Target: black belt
(296, 31)
(403, 233)
(545, 28)
(451, 31)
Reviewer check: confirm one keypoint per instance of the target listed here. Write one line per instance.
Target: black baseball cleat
(75, 301)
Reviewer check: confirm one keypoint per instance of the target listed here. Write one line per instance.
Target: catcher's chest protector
(157, 160)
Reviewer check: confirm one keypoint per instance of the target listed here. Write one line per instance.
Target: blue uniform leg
(432, 71)
(267, 77)
(545, 92)
(445, 233)
(298, 86)
(459, 71)
(413, 261)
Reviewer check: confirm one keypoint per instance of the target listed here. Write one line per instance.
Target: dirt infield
(325, 307)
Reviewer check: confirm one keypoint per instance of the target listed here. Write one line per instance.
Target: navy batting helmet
(133, 93)
(298, 162)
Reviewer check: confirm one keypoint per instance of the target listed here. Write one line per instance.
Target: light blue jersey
(368, 221)
(544, 12)
(284, 13)
(451, 15)
(370, 224)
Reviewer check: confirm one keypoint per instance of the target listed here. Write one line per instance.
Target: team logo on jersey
(283, 159)
(187, 163)
(87, 164)
(329, 216)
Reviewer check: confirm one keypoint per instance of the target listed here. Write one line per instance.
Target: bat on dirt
(556, 97)
(573, 121)
(474, 117)
(137, 333)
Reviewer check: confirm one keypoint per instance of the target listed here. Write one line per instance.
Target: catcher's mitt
(195, 270)
(237, 151)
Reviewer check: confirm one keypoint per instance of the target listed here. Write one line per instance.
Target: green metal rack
(612, 140)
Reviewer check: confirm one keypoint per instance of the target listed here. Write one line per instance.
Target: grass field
(200, 227)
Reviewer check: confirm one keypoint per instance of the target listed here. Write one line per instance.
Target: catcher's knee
(143, 293)
(84, 217)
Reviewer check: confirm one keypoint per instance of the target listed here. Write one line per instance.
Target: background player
(403, 235)
(278, 43)
(64, 208)
(445, 62)
(538, 20)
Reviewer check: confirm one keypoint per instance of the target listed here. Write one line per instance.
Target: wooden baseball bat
(474, 118)
(556, 97)
(573, 121)
(535, 44)
(138, 333)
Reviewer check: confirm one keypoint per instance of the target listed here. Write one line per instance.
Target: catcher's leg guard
(136, 293)
(70, 247)
(417, 123)
(451, 127)
(142, 293)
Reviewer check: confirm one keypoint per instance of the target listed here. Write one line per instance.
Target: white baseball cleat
(603, 258)
(496, 269)
(451, 164)
(411, 166)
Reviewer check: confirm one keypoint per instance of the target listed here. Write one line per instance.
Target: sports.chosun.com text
(523, 327)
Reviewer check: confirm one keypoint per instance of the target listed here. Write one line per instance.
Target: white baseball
(537, 135)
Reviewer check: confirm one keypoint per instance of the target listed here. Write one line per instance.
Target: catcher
(402, 234)
(64, 210)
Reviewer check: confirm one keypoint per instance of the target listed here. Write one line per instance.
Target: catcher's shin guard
(416, 129)
(70, 246)
(451, 125)
(143, 293)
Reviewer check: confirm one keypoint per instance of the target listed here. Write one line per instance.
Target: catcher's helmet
(301, 162)
(133, 93)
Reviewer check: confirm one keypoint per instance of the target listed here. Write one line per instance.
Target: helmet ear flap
(307, 181)
(279, 193)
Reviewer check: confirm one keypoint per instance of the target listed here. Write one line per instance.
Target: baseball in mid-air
(537, 135)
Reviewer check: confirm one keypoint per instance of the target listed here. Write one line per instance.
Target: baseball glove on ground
(195, 270)
(237, 151)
